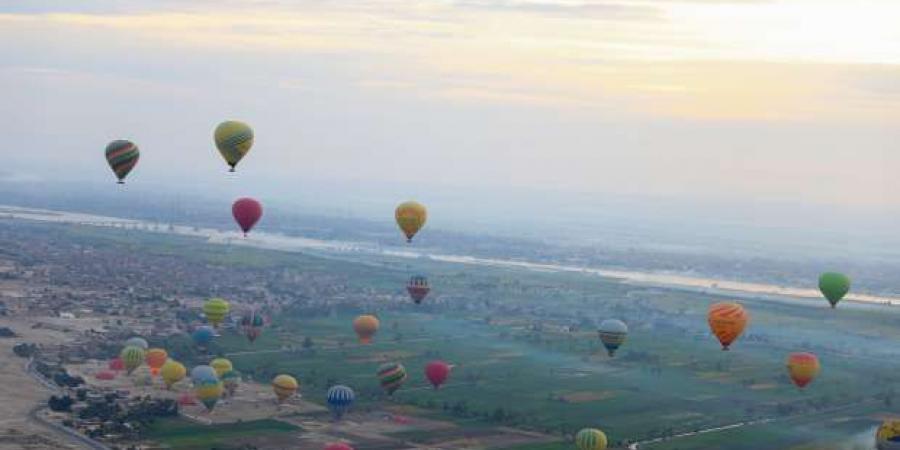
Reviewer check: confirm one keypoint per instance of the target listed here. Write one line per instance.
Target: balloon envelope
(116, 364)
(803, 368)
(221, 365)
(172, 372)
(252, 323)
(365, 327)
(590, 439)
(284, 386)
(137, 342)
(202, 336)
(437, 373)
(391, 376)
(340, 398)
(122, 156)
(233, 139)
(612, 334)
(411, 217)
(215, 310)
(133, 357)
(834, 286)
(888, 435)
(418, 288)
(727, 321)
(203, 374)
(155, 358)
(246, 212)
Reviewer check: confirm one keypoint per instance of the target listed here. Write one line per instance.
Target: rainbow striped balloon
(233, 139)
(391, 376)
(122, 156)
(590, 439)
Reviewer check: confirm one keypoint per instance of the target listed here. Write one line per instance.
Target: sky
(738, 102)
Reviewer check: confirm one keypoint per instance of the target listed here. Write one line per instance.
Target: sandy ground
(20, 393)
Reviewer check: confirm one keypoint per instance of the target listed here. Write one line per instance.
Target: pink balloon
(247, 212)
(437, 373)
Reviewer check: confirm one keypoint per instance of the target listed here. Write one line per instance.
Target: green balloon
(834, 286)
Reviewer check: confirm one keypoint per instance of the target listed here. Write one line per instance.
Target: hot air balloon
(172, 372)
(133, 357)
(365, 326)
(252, 324)
(221, 365)
(122, 156)
(803, 368)
(888, 435)
(727, 321)
(834, 286)
(338, 446)
(411, 217)
(246, 212)
(137, 342)
(202, 336)
(437, 373)
(612, 334)
(418, 288)
(284, 386)
(116, 364)
(233, 139)
(155, 358)
(340, 399)
(215, 310)
(203, 374)
(391, 376)
(231, 380)
(590, 439)
(209, 393)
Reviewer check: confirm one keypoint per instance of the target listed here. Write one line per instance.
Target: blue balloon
(340, 398)
(203, 335)
(203, 375)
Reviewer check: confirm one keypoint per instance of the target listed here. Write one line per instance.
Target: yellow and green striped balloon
(590, 439)
(215, 310)
(133, 357)
(233, 139)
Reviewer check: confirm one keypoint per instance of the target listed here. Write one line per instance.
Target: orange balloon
(365, 326)
(727, 321)
(803, 368)
(155, 358)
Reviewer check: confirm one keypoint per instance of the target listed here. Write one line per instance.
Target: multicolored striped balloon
(612, 334)
(133, 357)
(418, 288)
(803, 368)
(590, 439)
(727, 321)
(284, 386)
(391, 376)
(209, 393)
(340, 398)
(122, 156)
(233, 139)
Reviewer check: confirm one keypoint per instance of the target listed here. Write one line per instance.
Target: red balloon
(338, 446)
(117, 364)
(247, 212)
(437, 373)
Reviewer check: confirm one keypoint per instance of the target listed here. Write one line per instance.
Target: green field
(180, 434)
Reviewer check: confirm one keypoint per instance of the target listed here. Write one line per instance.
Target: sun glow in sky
(756, 98)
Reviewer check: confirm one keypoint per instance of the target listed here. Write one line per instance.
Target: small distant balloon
(803, 368)
(418, 288)
(727, 321)
(411, 217)
(284, 386)
(215, 310)
(590, 439)
(612, 334)
(202, 336)
(365, 327)
(133, 357)
(340, 398)
(122, 156)
(233, 139)
(221, 365)
(137, 342)
(155, 358)
(172, 372)
(834, 287)
(246, 212)
(437, 373)
(391, 376)
(252, 324)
